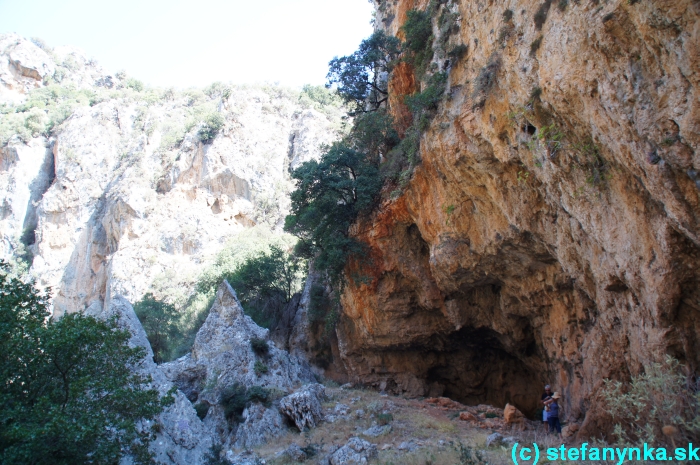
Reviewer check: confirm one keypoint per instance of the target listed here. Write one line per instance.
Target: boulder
(494, 439)
(295, 453)
(466, 416)
(356, 452)
(376, 431)
(260, 425)
(304, 406)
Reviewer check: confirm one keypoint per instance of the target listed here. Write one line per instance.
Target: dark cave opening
(475, 368)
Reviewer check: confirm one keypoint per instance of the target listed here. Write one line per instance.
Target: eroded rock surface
(509, 262)
(124, 198)
(304, 406)
(182, 438)
(222, 357)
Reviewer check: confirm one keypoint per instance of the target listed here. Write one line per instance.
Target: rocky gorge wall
(551, 233)
(122, 196)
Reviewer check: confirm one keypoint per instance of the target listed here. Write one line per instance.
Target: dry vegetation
(421, 433)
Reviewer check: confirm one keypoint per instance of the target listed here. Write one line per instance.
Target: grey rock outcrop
(182, 438)
(304, 406)
(222, 357)
(356, 452)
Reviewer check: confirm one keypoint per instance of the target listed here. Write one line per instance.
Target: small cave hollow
(475, 368)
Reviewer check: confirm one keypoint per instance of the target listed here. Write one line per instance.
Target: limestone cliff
(108, 185)
(551, 232)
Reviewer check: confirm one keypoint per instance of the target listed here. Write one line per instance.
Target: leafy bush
(213, 122)
(318, 97)
(202, 408)
(358, 77)
(469, 455)
(541, 14)
(69, 394)
(457, 52)
(319, 303)
(384, 418)
(260, 368)
(218, 90)
(655, 407)
(134, 84)
(259, 395)
(259, 346)
(215, 456)
(234, 400)
(418, 33)
(329, 196)
(266, 282)
(485, 81)
(159, 320)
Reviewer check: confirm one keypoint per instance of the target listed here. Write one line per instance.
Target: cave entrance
(475, 368)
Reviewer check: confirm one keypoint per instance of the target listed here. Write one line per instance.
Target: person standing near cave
(553, 415)
(546, 395)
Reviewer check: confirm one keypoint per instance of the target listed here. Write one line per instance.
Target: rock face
(182, 439)
(222, 357)
(512, 260)
(304, 406)
(124, 197)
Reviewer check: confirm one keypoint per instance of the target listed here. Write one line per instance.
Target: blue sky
(186, 43)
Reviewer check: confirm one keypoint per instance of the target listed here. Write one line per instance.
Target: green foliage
(234, 399)
(469, 455)
(592, 162)
(159, 320)
(260, 368)
(418, 43)
(485, 81)
(319, 303)
(318, 97)
(265, 282)
(541, 14)
(358, 77)
(202, 408)
(660, 396)
(523, 176)
(218, 90)
(384, 418)
(458, 52)
(213, 122)
(329, 196)
(508, 15)
(134, 84)
(215, 456)
(424, 104)
(259, 346)
(69, 395)
(259, 395)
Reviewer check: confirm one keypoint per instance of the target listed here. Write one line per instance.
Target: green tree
(69, 395)
(265, 282)
(361, 78)
(329, 196)
(159, 320)
(213, 123)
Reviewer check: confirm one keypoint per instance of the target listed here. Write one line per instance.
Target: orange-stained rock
(506, 264)
(512, 415)
(466, 416)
